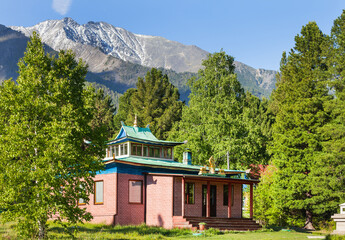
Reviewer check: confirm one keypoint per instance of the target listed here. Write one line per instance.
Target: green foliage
(300, 100)
(221, 117)
(267, 211)
(45, 163)
(328, 171)
(103, 113)
(124, 111)
(114, 96)
(155, 102)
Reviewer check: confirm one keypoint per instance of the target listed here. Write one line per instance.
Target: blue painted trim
(121, 134)
(138, 170)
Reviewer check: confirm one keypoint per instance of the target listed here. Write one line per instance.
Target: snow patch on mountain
(145, 50)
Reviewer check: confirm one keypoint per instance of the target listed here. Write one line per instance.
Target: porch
(234, 224)
(217, 201)
(185, 200)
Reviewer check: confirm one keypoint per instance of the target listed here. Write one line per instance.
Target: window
(107, 152)
(189, 193)
(154, 151)
(116, 150)
(110, 151)
(125, 148)
(226, 195)
(121, 150)
(145, 151)
(167, 153)
(136, 149)
(135, 191)
(81, 201)
(99, 192)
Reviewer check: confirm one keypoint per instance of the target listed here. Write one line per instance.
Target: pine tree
(103, 115)
(299, 99)
(155, 102)
(124, 112)
(328, 171)
(46, 164)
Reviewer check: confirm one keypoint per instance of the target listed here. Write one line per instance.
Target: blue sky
(255, 32)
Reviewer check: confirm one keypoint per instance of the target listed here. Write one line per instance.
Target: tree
(299, 100)
(219, 119)
(124, 109)
(328, 171)
(155, 102)
(103, 115)
(46, 160)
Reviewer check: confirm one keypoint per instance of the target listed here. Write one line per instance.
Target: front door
(213, 200)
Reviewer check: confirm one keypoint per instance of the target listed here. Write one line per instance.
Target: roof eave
(145, 141)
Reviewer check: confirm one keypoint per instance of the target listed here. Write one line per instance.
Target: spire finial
(135, 121)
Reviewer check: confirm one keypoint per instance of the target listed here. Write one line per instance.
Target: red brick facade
(129, 213)
(161, 201)
(159, 208)
(104, 213)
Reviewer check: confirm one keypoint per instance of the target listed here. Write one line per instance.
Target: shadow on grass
(288, 229)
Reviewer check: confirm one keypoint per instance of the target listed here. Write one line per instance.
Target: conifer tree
(103, 115)
(299, 99)
(155, 102)
(328, 171)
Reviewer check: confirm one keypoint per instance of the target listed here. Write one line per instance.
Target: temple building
(141, 183)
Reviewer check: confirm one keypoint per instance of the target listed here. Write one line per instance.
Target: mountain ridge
(93, 42)
(119, 43)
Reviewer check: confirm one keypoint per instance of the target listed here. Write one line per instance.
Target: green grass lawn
(98, 231)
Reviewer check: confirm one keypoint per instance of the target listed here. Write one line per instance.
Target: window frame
(187, 192)
(141, 190)
(136, 146)
(117, 150)
(125, 148)
(94, 197)
(81, 203)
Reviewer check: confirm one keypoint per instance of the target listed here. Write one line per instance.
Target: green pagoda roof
(143, 161)
(140, 135)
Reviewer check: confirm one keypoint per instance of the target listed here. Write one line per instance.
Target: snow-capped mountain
(145, 50)
(117, 57)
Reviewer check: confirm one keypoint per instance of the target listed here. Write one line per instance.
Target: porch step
(239, 224)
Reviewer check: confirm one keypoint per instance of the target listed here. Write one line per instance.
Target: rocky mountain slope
(117, 57)
(145, 50)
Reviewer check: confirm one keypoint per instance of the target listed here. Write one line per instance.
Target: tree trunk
(309, 221)
(41, 229)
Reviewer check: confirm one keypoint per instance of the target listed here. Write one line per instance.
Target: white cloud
(62, 6)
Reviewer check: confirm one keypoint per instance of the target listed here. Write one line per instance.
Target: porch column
(251, 200)
(208, 202)
(229, 200)
(183, 190)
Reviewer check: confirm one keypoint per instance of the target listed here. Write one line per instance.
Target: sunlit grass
(101, 231)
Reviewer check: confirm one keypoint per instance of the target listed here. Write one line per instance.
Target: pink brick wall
(236, 210)
(129, 213)
(195, 210)
(222, 211)
(159, 208)
(104, 213)
(164, 199)
(177, 196)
